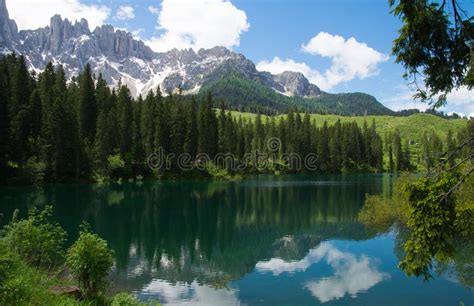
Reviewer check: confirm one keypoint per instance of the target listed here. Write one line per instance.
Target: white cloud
(462, 97)
(350, 59)
(42, 10)
(404, 100)
(198, 24)
(154, 10)
(136, 33)
(125, 12)
(460, 101)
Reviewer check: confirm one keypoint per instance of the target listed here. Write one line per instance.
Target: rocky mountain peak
(217, 51)
(120, 44)
(63, 30)
(295, 83)
(8, 27)
(121, 58)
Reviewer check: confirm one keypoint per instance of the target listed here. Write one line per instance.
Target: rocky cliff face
(8, 28)
(119, 57)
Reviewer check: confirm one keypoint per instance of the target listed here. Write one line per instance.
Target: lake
(266, 240)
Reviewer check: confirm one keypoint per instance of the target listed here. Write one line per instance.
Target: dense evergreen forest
(245, 95)
(53, 130)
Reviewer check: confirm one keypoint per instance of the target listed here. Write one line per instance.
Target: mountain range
(119, 57)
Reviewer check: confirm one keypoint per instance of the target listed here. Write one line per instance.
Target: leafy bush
(89, 260)
(35, 239)
(432, 221)
(465, 209)
(7, 266)
(115, 166)
(219, 173)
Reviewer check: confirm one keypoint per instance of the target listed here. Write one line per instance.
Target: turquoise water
(286, 240)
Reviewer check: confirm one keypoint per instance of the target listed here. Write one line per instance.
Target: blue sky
(350, 50)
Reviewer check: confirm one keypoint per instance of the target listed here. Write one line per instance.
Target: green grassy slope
(411, 127)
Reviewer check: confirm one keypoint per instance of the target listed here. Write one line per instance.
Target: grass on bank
(36, 270)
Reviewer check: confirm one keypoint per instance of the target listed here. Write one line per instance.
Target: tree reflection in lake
(204, 241)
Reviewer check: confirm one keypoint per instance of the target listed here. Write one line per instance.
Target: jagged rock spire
(8, 27)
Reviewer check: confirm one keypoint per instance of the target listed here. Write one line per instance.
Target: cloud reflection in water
(352, 274)
(192, 294)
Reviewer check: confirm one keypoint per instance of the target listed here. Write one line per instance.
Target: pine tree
(335, 149)
(323, 147)
(397, 151)
(367, 134)
(35, 108)
(376, 151)
(306, 144)
(102, 144)
(46, 81)
(259, 134)
(432, 148)
(65, 140)
(125, 115)
(102, 94)
(20, 87)
(162, 140)
(104, 140)
(87, 105)
(20, 112)
(208, 134)
(222, 129)
(148, 123)
(4, 122)
(191, 140)
(177, 125)
(138, 153)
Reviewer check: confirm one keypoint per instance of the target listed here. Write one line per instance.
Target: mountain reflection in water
(268, 240)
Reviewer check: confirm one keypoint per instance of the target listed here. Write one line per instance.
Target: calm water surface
(287, 240)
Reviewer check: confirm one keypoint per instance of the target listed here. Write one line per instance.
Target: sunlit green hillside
(411, 127)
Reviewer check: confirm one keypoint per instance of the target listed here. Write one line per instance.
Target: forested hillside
(58, 131)
(411, 128)
(245, 95)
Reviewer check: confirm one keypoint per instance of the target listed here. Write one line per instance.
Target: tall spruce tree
(125, 121)
(19, 111)
(4, 122)
(191, 140)
(87, 105)
(148, 122)
(208, 134)
(323, 147)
